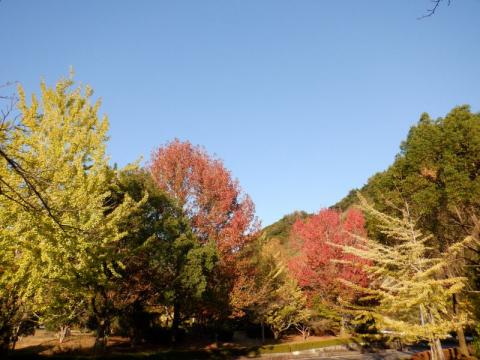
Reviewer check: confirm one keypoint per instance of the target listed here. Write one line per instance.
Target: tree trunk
(436, 350)
(64, 333)
(102, 335)
(175, 322)
(462, 343)
(263, 331)
(4, 342)
(102, 314)
(305, 333)
(342, 326)
(14, 338)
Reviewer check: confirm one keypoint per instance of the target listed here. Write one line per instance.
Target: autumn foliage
(218, 210)
(214, 202)
(319, 263)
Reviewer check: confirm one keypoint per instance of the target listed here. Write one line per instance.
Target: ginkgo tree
(61, 140)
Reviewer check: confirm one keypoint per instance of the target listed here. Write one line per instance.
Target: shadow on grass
(218, 354)
(214, 354)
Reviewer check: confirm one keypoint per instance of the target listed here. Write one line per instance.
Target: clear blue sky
(302, 99)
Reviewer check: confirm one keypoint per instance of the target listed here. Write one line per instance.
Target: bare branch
(433, 9)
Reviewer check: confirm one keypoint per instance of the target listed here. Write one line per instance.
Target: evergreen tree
(163, 262)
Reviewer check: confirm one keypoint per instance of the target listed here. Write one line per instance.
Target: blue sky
(302, 99)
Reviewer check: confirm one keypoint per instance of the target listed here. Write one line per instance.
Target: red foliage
(315, 267)
(214, 202)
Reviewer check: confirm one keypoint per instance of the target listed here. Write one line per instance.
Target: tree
(286, 308)
(14, 313)
(62, 141)
(164, 263)
(9, 162)
(437, 173)
(279, 302)
(281, 229)
(218, 210)
(318, 263)
(410, 293)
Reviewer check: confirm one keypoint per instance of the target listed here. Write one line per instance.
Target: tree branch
(433, 9)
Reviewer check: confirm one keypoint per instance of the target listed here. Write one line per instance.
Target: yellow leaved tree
(58, 224)
(409, 295)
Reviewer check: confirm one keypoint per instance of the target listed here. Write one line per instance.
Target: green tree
(278, 300)
(286, 308)
(163, 262)
(437, 173)
(281, 229)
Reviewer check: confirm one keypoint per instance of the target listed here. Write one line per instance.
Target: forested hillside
(281, 229)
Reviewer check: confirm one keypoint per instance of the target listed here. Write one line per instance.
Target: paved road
(339, 355)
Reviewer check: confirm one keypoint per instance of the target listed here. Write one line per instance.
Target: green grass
(306, 345)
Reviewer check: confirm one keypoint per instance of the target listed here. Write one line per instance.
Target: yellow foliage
(58, 223)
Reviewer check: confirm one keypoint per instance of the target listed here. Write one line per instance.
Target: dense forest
(173, 249)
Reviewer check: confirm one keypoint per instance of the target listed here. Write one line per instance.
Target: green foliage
(159, 261)
(281, 229)
(161, 239)
(280, 303)
(349, 200)
(307, 345)
(287, 308)
(437, 173)
(326, 319)
(476, 341)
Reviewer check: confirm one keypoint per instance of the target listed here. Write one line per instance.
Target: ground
(46, 343)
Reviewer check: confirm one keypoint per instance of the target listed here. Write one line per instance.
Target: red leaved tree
(319, 265)
(218, 209)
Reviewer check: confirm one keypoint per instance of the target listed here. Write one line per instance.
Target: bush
(324, 327)
(476, 341)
